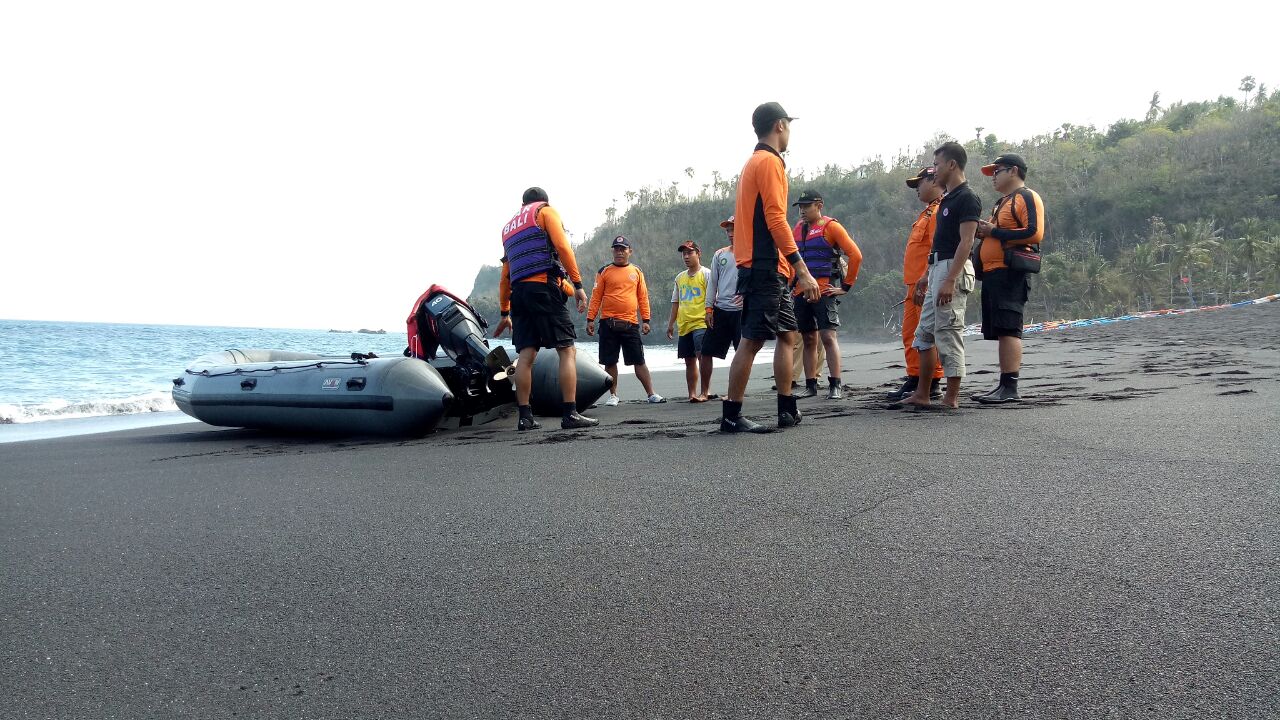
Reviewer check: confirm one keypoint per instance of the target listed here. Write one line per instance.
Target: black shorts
(1004, 297)
(822, 315)
(725, 332)
(618, 335)
(540, 317)
(690, 344)
(766, 304)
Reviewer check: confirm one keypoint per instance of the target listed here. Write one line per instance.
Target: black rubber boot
(788, 414)
(907, 389)
(577, 422)
(1007, 392)
(834, 393)
(571, 420)
(526, 420)
(810, 389)
(935, 389)
(992, 391)
(731, 420)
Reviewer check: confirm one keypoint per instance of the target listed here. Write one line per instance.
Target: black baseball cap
(925, 172)
(689, 246)
(1007, 160)
(808, 197)
(767, 114)
(533, 195)
(621, 241)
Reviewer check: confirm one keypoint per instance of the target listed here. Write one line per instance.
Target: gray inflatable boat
(398, 396)
(302, 392)
(366, 395)
(545, 397)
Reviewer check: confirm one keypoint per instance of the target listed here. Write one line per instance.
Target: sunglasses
(1006, 168)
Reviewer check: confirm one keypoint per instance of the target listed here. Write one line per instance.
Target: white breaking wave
(64, 409)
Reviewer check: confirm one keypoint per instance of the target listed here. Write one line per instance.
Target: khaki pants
(941, 326)
(910, 321)
(797, 359)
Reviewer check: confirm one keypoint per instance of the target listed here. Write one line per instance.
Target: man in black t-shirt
(949, 279)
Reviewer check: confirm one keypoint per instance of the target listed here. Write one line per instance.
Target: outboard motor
(441, 321)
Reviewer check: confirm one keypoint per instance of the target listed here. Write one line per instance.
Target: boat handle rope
(278, 368)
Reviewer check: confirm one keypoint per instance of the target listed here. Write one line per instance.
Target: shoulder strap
(995, 211)
(1026, 208)
(835, 249)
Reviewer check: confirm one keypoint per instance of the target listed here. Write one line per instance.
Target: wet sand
(1108, 548)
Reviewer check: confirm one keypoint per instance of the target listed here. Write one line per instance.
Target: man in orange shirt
(620, 294)
(821, 240)
(768, 261)
(915, 268)
(535, 265)
(1016, 224)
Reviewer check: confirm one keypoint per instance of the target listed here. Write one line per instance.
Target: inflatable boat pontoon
(367, 395)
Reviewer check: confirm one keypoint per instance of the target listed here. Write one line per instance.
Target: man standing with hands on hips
(768, 260)
(949, 280)
(821, 241)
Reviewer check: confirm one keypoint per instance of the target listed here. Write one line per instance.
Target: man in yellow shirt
(689, 316)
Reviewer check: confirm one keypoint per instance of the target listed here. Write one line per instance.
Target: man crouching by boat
(537, 260)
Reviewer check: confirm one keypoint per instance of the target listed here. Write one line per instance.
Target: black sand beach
(1108, 548)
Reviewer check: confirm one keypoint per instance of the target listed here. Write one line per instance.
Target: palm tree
(1142, 269)
(1270, 270)
(1053, 279)
(1191, 248)
(1153, 109)
(1247, 84)
(1249, 246)
(1091, 278)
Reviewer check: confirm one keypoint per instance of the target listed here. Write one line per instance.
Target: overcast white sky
(318, 164)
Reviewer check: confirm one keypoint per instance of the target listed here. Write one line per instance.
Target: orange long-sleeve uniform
(761, 231)
(1019, 221)
(620, 293)
(915, 263)
(549, 220)
(836, 236)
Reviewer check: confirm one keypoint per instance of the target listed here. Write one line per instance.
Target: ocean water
(62, 371)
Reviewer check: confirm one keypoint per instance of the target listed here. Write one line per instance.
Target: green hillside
(1191, 191)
